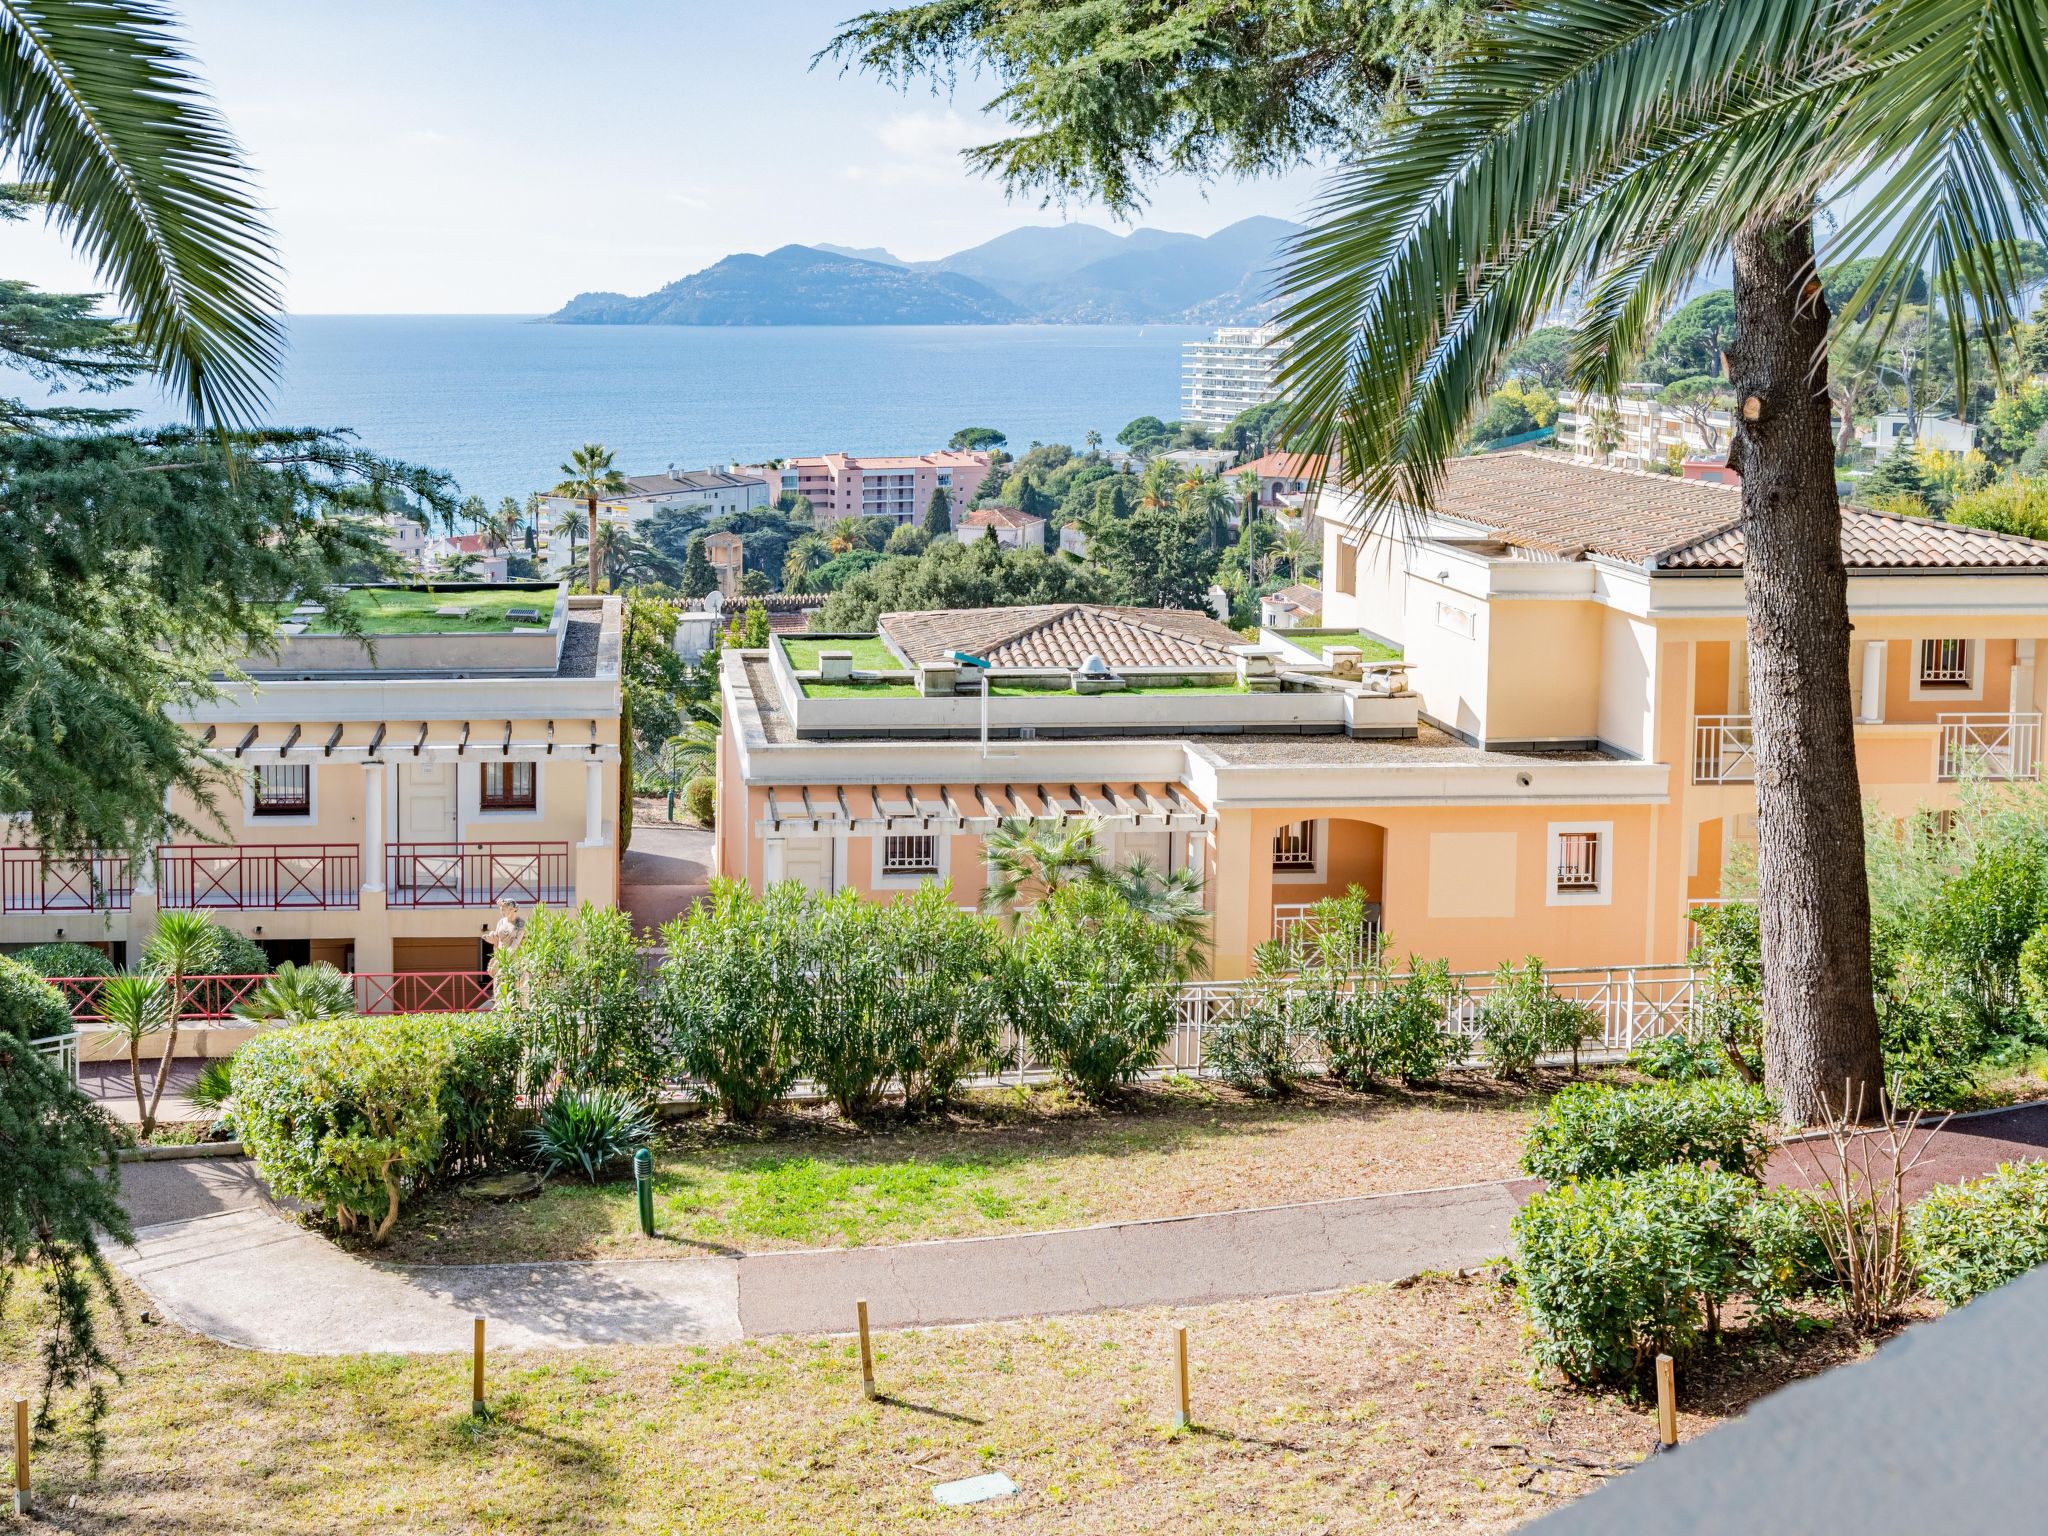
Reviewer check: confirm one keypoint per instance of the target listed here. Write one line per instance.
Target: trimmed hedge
(64, 958)
(1971, 1238)
(1595, 1130)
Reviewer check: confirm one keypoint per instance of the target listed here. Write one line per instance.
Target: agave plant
(295, 994)
(590, 1128)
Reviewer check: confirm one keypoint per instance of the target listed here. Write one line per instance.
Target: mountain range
(1060, 274)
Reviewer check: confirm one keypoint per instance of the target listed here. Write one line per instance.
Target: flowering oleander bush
(576, 988)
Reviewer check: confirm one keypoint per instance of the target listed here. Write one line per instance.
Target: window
(1944, 663)
(508, 787)
(1578, 861)
(283, 789)
(913, 854)
(1459, 621)
(1294, 847)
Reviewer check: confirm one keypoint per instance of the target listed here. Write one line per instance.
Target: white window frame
(1460, 621)
(311, 814)
(1973, 665)
(1600, 892)
(883, 879)
(1313, 873)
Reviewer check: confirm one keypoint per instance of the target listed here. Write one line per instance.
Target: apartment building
(897, 486)
(719, 491)
(1557, 764)
(376, 799)
(1237, 368)
(1634, 430)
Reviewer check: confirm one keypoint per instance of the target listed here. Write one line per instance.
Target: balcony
(1988, 747)
(476, 874)
(254, 877)
(1294, 925)
(1723, 750)
(97, 882)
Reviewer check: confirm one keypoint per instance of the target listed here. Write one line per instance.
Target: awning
(872, 810)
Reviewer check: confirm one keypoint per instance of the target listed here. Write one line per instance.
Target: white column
(593, 803)
(1872, 712)
(373, 826)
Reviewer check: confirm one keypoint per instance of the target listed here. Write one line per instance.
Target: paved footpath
(218, 1256)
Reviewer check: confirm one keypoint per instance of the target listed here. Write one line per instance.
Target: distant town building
(1715, 471)
(1235, 369)
(1644, 431)
(1297, 607)
(406, 539)
(897, 486)
(720, 491)
(1010, 528)
(486, 561)
(1284, 478)
(726, 553)
(1074, 541)
(1891, 429)
(1210, 461)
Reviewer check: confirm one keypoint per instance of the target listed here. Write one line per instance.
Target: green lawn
(1316, 644)
(869, 653)
(1014, 691)
(408, 611)
(817, 690)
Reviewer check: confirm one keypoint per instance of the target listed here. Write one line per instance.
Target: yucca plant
(137, 1005)
(184, 945)
(294, 994)
(590, 1128)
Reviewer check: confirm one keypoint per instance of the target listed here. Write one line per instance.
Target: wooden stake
(21, 1456)
(476, 1371)
(1667, 1404)
(1184, 1419)
(867, 1353)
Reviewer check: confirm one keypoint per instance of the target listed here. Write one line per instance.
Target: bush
(577, 990)
(344, 1114)
(948, 994)
(234, 955)
(30, 1007)
(1393, 1028)
(1252, 1047)
(2033, 973)
(590, 1128)
(700, 800)
(1092, 987)
(728, 987)
(1614, 1272)
(1933, 1038)
(1785, 1251)
(1727, 962)
(1522, 1019)
(64, 959)
(1680, 1057)
(479, 1085)
(1596, 1131)
(1971, 1238)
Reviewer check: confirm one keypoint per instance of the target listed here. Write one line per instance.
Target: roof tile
(1063, 635)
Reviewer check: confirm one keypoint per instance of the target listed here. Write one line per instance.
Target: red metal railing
(98, 882)
(476, 874)
(277, 876)
(377, 992)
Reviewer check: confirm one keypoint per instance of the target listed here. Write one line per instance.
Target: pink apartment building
(885, 485)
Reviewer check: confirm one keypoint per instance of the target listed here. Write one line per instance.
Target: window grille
(912, 854)
(1578, 861)
(1294, 847)
(283, 789)
(1944, 663)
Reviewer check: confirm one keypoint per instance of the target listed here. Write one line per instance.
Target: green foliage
(591, 1129)
(954, 575)
(2033, 977)
(1158, 557)
(1973, 1237)
(1514, 409)
(1390, 1028)
(64, 959)
(1679, 1057)
(478, 1095)
(2014, 504)
(214, 1087)
(1692, 340)
(1090, 987)
(1727, 962)
(575, 989)
(1595, 1130)
(938, 513)
(1613, 1272)
(978, 439)
(1785, 1249)
(233, 954)
(651, 673)
(700, 800)
(947, 1004)
(1521, 1019)
(1145, 435)
(344, 1114)
(2014, 422)
(297, 994)
(727, 992)
(1259, 430)
(697, 577)
(1898, 484)
(1543, 357)
(1252, 1047)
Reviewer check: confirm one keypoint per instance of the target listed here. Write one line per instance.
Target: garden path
(220, 1258)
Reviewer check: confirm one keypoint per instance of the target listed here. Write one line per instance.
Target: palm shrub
(185, 944)
(295, 994)
(214, 1088)
(1092, 988)
(591, 1129)
(578, 991)
(729, 988)
(1521, 1019)
(1595, 1130)
(137, 1005)
(1973, 1237)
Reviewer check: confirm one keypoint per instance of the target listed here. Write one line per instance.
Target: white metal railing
(1294, 921)
(1989, 746)
(1723, 750)
(63, 1050)
(1578, 861)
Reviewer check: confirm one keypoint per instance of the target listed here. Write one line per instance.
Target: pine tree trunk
(1820, 1037)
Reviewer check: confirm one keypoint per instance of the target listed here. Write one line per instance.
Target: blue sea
(498, 401)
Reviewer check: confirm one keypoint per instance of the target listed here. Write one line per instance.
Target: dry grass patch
(1008, 1161)
(1379, 1409)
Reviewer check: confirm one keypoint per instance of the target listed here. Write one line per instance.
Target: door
(808, 861)
(427, 856)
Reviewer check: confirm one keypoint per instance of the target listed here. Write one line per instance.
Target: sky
(462, 157)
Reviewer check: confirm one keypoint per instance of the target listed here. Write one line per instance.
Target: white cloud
(922, 149)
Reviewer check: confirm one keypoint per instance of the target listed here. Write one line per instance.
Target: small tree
(589, 477)
(697, 578)
(136, 1005)
(577, 990)
(185, 944)
(978, 439)
(938, 513)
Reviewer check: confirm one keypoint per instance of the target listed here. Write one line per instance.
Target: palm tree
(1093, 439)
(136, 1005)
(298, 994)
(100, 109)
(843, 535)
(1597, 156)
(569, 526)
(1155, 491)
(1029, 859)
(1172, 902)
(589, 477)
(1297, 549)
(185, 944)
(687, 755)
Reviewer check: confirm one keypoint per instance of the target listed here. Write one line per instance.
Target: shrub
(1393, 1028)
(1785, 1248)
(590, 1128)
(1727, 962)
(577, 990)
(64, 959)
(1971, 1238)
(1522, 1019)
(700, 800)
(2033, 974)
(845, 1033)
(1252, 1047)
(727, 990)
(947, 1002)
(298, 994)
(1596, 1131)
(344, 1114)
(235, 955)
(1680, 1057)
(1615, 1271)
(1091, 986)
(214, 1086)
(479, 1085)
(1933, 1037)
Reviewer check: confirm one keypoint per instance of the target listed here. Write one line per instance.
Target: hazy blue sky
(497, 156)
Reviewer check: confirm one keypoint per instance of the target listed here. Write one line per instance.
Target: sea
(499, 401)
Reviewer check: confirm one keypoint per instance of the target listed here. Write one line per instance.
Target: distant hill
(1061, 273)
(797, 285)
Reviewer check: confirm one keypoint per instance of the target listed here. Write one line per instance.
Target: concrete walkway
(222, 1259)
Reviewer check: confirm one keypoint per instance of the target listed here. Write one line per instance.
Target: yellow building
(1522, 729)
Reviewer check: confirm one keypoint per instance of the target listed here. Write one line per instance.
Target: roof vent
(1094, 666)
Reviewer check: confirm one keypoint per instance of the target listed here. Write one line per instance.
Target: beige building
(374, 803)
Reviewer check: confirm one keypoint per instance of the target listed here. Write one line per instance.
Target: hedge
(1595, 1130)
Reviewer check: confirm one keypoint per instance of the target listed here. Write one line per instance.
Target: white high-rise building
(1234, 370)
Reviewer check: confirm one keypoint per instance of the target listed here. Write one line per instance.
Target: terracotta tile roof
(1882, 541)
(1065, 634)
(999, 517)
(1280, 466)
(1562, 506)
(1301, 595)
